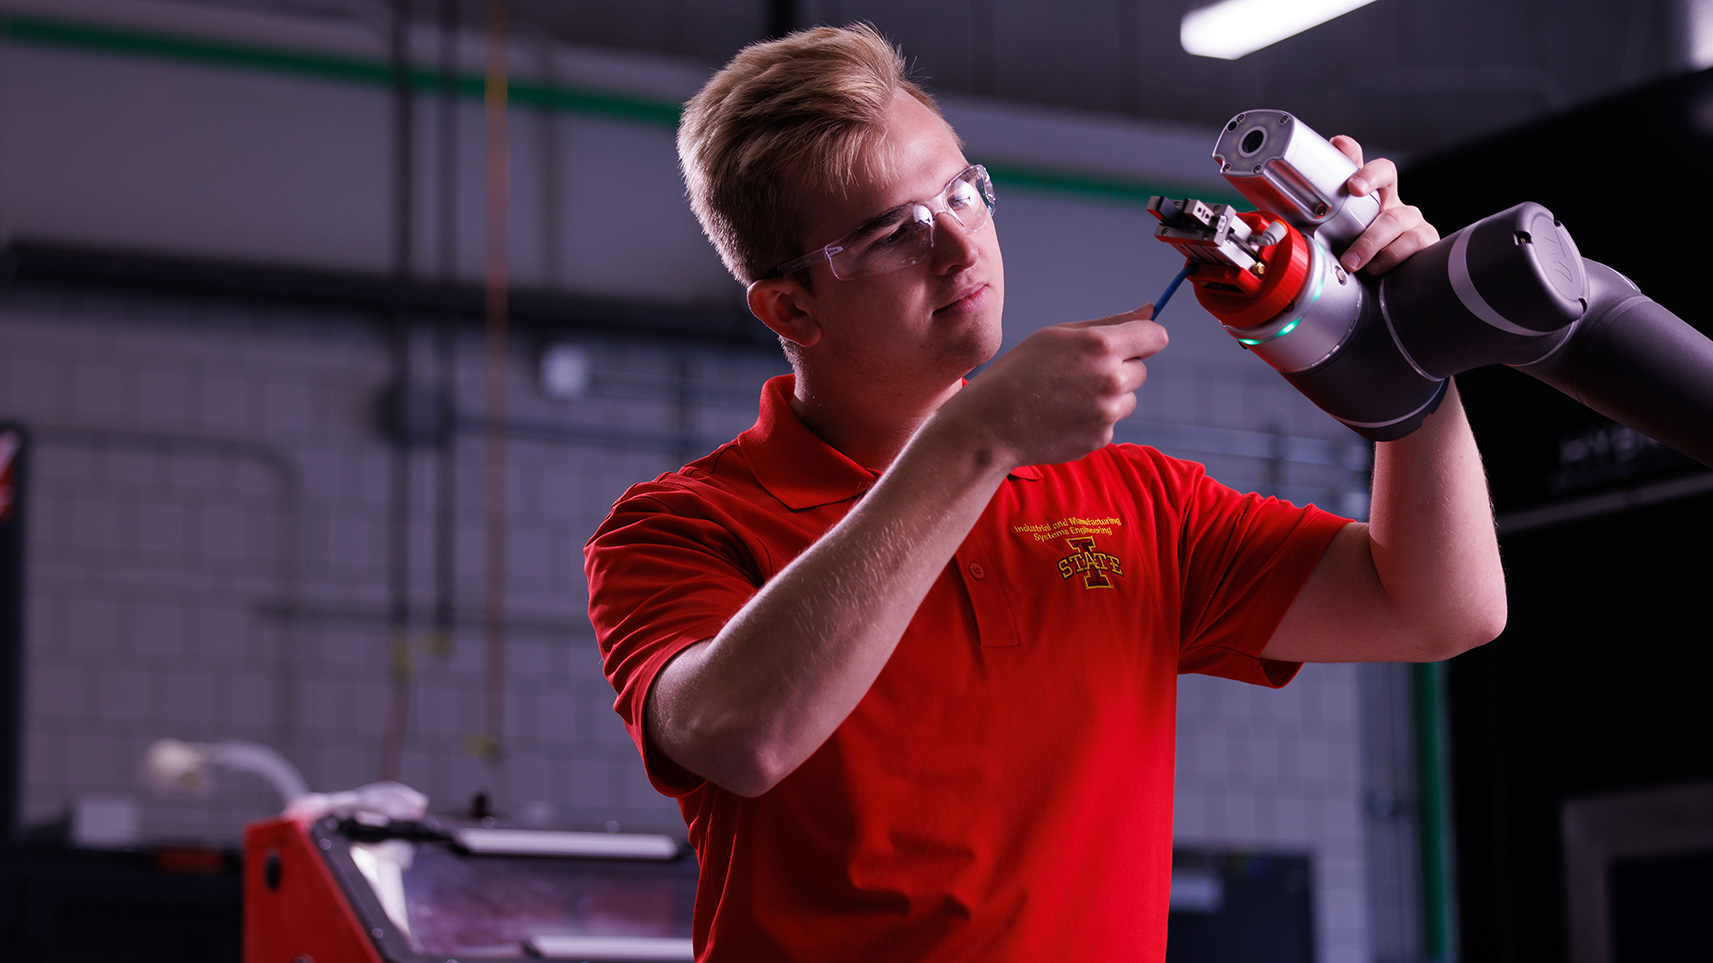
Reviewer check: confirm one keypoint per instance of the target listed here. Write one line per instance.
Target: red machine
(293, 908)
(371, 890)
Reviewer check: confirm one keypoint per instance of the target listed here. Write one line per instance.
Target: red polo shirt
(1004, 790)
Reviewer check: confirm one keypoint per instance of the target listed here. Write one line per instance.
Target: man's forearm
(1421, 581)
(1431, 528)
(747, 707)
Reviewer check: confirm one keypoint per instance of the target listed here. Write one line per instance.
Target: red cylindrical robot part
(1287, 268)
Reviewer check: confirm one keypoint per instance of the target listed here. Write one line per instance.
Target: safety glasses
(903, 235)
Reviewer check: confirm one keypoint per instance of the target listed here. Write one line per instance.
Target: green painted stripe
(571, 100)
(337, 68)
(1096, 187)
(157, 46)
(330, 67)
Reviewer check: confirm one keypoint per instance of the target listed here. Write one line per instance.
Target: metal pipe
(29, 261)
(299, 612)
(446, 342)
(1439, 914)
(398, 556)
(495, 286)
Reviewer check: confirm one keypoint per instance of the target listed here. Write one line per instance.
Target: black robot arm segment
(1512, 289)
(1637, 363)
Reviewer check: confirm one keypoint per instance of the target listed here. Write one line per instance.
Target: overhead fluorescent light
(1698, 20)
(1232, 28)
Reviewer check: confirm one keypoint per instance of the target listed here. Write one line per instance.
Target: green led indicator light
(1287, 329)
(1319, 288)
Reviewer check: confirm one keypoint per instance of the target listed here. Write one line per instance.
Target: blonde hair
(785, 116)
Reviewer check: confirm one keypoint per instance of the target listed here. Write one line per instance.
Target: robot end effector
(1377, 353)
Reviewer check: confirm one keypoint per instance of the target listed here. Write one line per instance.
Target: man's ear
(779, 304)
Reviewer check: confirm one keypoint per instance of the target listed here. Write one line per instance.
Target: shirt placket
(979, 564)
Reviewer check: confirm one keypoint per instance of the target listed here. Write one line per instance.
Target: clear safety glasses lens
(905, 235)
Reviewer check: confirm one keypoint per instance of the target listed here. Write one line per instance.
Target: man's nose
(952, 240)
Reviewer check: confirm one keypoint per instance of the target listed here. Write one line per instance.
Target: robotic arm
(1377, 353)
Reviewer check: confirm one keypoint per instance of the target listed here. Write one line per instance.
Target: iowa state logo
(1079, 532)
(1093, 565)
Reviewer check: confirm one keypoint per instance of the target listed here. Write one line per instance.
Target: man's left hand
(1398, 232)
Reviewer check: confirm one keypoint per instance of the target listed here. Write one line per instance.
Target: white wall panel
(166, 157)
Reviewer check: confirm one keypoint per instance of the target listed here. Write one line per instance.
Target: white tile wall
(201, 468)
(1280, 770)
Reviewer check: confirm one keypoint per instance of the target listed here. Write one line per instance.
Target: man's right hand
(1056, 396)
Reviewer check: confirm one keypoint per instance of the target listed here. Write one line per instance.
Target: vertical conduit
(1276, 460)
(15, 453)
(683, 406)
(552, 181)
(400, 658)
(781, 18)
(488, 744)
(446, 343)
(1438, 919)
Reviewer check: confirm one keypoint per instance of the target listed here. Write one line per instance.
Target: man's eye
(888, 234)
(963, 196)
(897, 235)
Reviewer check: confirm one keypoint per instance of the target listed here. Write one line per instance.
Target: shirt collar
(795, 466)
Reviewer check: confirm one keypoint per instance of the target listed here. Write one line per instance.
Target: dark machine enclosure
(1597, 687)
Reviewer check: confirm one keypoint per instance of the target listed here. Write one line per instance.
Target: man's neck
(869, 424)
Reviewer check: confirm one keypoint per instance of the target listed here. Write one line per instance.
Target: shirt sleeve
(1243, 559)
(661, 579)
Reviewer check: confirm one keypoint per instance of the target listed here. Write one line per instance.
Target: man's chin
(979, 347)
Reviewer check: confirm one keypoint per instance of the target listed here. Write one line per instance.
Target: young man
(906, 651)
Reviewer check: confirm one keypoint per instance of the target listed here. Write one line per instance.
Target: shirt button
(976, 571)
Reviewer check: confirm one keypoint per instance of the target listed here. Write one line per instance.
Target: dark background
(1598, 683)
